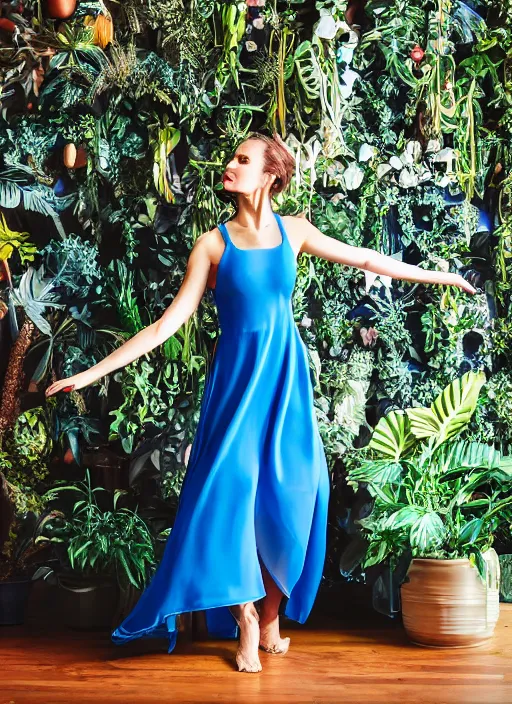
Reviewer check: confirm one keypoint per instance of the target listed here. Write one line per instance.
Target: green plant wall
(399, 114)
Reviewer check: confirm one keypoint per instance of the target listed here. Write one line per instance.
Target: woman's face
(244, 173)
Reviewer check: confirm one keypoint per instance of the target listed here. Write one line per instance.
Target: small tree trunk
(14, 376)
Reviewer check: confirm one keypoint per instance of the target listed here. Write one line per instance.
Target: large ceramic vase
(446, 604)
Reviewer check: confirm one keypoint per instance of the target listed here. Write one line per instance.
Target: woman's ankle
(245, 612)
(268, 618)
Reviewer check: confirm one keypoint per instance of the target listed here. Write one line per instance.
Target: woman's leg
(270, 640)
(247, 618)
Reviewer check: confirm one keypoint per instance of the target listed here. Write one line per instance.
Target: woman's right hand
(78, 381)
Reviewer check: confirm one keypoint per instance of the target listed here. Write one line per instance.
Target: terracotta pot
(445, 603)
(61, 9)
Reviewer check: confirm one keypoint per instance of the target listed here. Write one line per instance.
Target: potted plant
(439, 501)
(504, 550)
(104, 551)
(24, 452)
(20, 559)
(108, 469)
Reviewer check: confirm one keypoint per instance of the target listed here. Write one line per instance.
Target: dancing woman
(251, 523)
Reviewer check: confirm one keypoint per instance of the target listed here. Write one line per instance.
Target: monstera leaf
(450, 412)
(308, 70)
(11, 240)
(35, 294)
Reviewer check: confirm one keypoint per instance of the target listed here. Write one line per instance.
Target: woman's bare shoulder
(297, 229)
(210, 242)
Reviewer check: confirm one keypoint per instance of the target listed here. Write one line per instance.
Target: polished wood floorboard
(356, 656)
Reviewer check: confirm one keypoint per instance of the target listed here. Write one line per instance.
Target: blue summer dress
(257, 480)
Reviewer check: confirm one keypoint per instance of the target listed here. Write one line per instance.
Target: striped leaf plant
(434, 494)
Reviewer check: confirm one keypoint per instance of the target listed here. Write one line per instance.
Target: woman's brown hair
(278, 159)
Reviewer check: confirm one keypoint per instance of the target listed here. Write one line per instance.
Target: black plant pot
(14, 596)
(88, 605)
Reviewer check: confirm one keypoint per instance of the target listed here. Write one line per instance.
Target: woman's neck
(254, 213)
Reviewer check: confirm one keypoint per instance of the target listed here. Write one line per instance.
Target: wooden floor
(356, 657)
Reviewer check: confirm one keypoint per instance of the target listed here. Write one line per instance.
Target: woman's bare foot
(247, 658)
(270, 639)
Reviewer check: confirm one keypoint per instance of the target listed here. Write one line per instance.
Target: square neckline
(258, 249)
(228, 243)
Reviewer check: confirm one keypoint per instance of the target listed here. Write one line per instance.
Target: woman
(252, 516)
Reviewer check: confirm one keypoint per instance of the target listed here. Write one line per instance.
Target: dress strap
(224, 232)
(227, 239)
(281, 227)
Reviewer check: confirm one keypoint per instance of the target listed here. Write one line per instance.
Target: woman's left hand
(460, 282)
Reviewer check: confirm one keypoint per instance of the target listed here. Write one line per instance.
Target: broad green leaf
(428, 532)
(471, 530)
(381, 554)
(308, 70)
(450, 412)
(505, 467)
(458, 456)
(424, 423)
(377, 472)
(392, 437)
(406, 516)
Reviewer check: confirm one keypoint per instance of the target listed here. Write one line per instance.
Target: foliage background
(399, 113)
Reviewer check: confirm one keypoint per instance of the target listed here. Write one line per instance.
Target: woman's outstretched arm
(315, 242)
(184, 304)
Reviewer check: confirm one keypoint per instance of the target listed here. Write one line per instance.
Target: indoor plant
(438, 500)
(24, 452)
(104, 550)
(20, 558)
